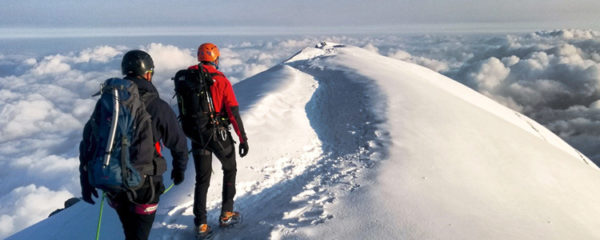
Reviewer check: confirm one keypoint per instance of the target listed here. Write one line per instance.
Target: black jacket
(165, 126)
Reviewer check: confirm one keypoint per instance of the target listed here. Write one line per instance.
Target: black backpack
(194, 100)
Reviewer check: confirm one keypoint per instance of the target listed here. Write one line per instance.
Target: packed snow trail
(348, 144)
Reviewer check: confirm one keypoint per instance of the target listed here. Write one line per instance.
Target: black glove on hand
(243, 149)
(87, 192)
(177, 176)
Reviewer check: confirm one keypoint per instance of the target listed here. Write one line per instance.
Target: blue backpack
(114, 124)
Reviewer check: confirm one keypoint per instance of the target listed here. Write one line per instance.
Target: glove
(87, 192)
(177, 176)
(243, 149)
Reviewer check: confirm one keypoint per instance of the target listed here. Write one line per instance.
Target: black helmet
(136, 63)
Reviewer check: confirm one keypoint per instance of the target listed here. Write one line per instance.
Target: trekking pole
(100, 217)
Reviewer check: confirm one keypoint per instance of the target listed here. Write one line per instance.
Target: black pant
(225, 152)
(137, 226)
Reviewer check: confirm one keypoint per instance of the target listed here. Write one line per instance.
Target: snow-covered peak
(321, 49)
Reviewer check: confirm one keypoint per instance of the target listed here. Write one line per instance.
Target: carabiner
(223, 134)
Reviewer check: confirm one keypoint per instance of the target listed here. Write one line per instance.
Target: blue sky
(510, 14)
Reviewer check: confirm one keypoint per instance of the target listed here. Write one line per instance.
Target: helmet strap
(215, 63)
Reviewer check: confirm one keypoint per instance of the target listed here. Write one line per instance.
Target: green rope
(169, 188)
(100, 217)
(102, 209)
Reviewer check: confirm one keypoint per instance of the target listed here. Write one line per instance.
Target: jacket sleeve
(233, 113)
(173, 137)
(85, 153)
(236, 121)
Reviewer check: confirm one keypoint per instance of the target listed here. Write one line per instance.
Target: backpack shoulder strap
(209, 74)
(212, 75)
(208, 80)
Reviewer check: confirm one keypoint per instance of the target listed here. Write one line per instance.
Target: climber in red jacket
(227, 111)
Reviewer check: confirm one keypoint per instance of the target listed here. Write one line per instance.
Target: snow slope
(348, 144)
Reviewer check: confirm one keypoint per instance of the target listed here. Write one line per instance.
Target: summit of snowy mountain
(349, 144)
(321, 49)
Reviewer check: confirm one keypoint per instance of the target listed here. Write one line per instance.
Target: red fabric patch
(145, 209)
(158, 148)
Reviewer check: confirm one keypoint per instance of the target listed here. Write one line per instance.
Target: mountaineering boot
(203, 232)
(229, 218)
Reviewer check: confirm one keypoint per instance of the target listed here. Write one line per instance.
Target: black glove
(177, 176)
(243, 149)
(87, 192)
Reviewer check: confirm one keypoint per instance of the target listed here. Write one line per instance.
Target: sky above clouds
(394, 15)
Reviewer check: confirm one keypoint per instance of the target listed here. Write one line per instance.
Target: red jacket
(224, 99)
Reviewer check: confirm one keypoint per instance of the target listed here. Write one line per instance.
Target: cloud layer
(551, 76)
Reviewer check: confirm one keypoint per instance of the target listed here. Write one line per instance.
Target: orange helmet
(208, 52)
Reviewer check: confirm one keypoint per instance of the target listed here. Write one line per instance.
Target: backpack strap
(131, 195)
(205, 76)
(147, 98)
(212, 75)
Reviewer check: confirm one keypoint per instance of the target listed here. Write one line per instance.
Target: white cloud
(30, 61)
(371, 48)
(33, 114)
(48, 165)
(401, 55)
(432, 64)
(567, 34)
(490, 74)
(169, 58)
(26, 205)
(595, 104)
(99, 54)
(230, 58)
(295, 43)
(7, 225)
(264, 57)
(83, 108)
(240, 62)
(7, 95)
(510, 61)
(52, 65)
